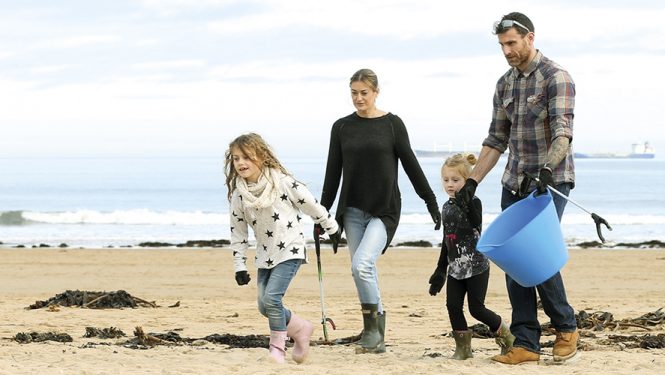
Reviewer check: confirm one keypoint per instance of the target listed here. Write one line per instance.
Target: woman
(365, 149)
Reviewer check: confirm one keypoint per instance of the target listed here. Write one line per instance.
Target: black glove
(433, 209)
(544, 179)
(335, 238)
(242, 277)
(437, 280)
(466, 193)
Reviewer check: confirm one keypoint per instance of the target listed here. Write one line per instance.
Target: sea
(123, 201)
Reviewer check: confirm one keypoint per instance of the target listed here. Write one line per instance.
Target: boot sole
(568, 357)
(378, 350)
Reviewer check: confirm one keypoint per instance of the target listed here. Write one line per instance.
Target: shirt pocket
(509, 107)
(536, 106)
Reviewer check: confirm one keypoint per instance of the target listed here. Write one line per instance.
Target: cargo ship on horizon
(638, 151)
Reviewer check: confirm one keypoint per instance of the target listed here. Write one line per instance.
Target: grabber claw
(599, 220)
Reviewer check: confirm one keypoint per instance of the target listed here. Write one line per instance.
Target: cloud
(172, 64)
(78, 41)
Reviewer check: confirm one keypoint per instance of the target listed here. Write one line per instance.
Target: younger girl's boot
(504, 338)
(277, 346)
(300, 330)
(462, 344)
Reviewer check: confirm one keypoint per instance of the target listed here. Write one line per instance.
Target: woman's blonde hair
(256, 149)
(462, 162)
(366, 76)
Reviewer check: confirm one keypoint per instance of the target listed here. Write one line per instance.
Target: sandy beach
(627, 283)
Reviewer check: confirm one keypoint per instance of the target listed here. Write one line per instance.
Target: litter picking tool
(318, 231)
(596, 219)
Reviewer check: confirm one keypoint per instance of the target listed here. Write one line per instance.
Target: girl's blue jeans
(272, 284)
(524, 325)
(366, 238)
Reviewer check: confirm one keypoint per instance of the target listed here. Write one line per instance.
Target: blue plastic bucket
(525, 240)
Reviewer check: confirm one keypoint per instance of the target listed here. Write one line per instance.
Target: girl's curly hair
(255, 148)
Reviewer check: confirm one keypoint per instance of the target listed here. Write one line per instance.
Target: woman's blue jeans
(525, 326)
(366, 238)
(272, 284)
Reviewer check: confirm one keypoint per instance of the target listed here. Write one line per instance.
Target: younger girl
(468, 270)
(265, 197)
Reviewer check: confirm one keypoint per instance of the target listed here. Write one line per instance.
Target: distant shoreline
(224, 244)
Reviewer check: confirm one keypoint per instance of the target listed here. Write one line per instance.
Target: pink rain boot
(277, 343)
(300, 330)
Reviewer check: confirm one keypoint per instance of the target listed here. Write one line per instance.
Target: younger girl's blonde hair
(255, 148)
(462, 162)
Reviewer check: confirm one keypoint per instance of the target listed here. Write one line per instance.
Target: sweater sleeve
(410, 163)
(303, 200)
(333, 168)
(476, 213)
(239, 233)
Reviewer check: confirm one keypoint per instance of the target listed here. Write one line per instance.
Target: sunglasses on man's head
(501, 26)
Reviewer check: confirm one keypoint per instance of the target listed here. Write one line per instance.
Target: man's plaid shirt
(531, 109)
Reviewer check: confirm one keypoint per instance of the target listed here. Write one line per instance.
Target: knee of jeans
(271, 303)
(262, 308)
(362, 269)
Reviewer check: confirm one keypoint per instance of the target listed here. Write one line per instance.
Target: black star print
(233, 213)
(235, 253)
(294, 185)
(301, 201)
(284, 197)
(240, 197)
(268, 233)
(281, 245)
(269, 262)
(294, 250)
(265, 248)
(240, 219)
(244, 241)
(253, 222)
(232, 228)
(290, 224)
(275, 216)
(298, 217)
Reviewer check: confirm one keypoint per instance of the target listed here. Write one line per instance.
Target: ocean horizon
(117, 201)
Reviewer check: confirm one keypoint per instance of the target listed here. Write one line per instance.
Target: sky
(185, 77)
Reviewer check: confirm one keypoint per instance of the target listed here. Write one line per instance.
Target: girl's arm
(476, 213)
(302, 199)
(239, 233)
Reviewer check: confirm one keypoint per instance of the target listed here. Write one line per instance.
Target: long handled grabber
(596, 219)
(318, 231)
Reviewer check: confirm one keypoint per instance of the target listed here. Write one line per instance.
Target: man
(533, 119)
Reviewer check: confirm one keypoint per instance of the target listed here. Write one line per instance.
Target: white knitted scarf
(264, 192)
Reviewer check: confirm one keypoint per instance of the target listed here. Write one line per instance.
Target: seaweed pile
(93, 300)
(26, 338)
(602, 320)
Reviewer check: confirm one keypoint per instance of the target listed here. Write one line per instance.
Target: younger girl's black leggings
(475, 288)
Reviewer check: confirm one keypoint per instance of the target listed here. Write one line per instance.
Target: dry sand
(627, 283)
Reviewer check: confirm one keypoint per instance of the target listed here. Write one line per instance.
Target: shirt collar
(530, 68)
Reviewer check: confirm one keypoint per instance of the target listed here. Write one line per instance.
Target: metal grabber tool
(596, 219)
(318, 231)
